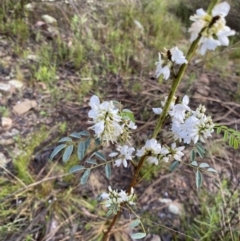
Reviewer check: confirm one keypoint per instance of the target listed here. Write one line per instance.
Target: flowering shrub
(113, 125)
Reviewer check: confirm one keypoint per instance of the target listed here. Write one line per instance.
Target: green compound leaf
(76, 168)
(100, 155)
(134, 223)
(57, 150)
(138, 235)
(192, 155)
(65, 139)
(204, 165)
(230, 135)
(85, 176)
(108, 170)
(174, 165)
(75, 135)
(67, 153)
(91, 161)
(81, 150)
(198, 179)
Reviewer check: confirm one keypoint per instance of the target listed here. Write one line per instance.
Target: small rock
(11, 133)
(5, 87)
(32, 57)
(49, 19)
(24, 106)
(6, 142)
(3, 160)
(175, 208)
(6, 122)
(16, 83)
(165, 200)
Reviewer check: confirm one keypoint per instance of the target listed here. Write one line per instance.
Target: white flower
(151, 146)
(172, 152)
(178, 111)
(197, 126)
(177, 152)
(223, 35)
(125, 153)
(106, 120)
(123, 196)
(221, 9)
(132, 125)
(195, 29)
(208, 43)
(116, 198)
(157, 111)
(177, 56)
(152, 160)
(212, 27)
(165, 71)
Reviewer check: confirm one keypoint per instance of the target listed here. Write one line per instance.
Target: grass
(84, 52)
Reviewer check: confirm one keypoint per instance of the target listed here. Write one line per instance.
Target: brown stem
(105, 236)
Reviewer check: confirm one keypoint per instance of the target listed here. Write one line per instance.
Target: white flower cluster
(212, 28)
(115, 198)
(188, 125)
(108, 122)
(174, 55)
(156, 152)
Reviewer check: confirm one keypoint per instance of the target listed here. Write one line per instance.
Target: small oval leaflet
(134, 223)
(109, 212)
(200, 150)
(138, 235)
(91, 161)
(87, 143)
(75, 135)
(108, 170)
(174, 165)
(81, 150)
(76, 168)
(65, 139)
(194, 163)
(192, 155)
(100, 155)
(84, 133)
(67, 153)
(198, 179)
(57, 150)
(211, 170)
(204, 165)
(85, 176)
